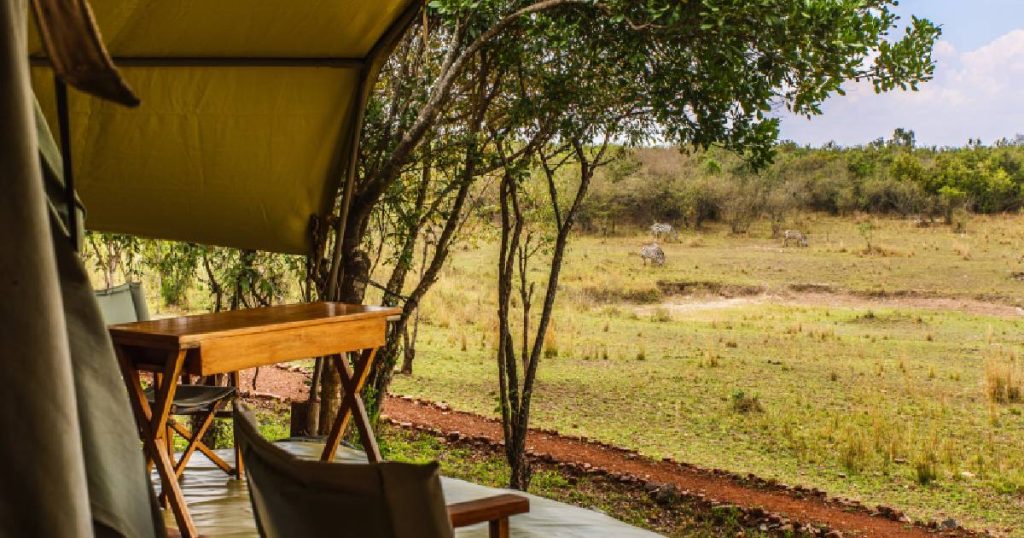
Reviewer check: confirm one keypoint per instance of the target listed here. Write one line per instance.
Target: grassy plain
(891, 375)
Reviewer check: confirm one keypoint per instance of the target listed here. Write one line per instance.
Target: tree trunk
(520, 471)
(409, 347)
(330, 397)
(352, 290)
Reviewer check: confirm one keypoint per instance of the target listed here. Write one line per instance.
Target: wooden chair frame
(493, 510)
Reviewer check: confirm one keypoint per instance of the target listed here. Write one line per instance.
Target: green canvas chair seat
(295, 497)
(195, 399)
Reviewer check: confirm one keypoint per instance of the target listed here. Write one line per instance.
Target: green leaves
(698, 72)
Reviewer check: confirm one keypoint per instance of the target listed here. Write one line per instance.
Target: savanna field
(884, 362)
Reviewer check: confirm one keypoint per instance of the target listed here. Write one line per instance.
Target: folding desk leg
(152, 422)
(352, 404)
(233, 379)
(217, 460)
(169, 439)
(193, 440)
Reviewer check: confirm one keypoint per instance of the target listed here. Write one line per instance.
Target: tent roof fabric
(249, 119)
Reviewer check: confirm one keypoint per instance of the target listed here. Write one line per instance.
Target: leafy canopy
(715, 72)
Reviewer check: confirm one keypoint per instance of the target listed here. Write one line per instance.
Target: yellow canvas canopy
(249, 119)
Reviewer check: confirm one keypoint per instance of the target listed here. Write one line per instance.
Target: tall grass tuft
(1004, 381)
(926, 465)
(853, 450)
(550, 346)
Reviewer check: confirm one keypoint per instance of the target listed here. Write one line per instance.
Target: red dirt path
(290, 385)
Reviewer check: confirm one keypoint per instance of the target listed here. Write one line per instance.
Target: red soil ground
(808, 510)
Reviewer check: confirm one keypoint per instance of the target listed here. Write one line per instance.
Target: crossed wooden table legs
(352, 381)
(155, 425)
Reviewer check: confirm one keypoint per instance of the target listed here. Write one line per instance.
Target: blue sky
(978, 90)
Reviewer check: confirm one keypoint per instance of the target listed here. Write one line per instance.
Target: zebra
(652, 252)
(663, 230)
(794, 235)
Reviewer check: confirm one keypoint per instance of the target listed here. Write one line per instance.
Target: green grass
(273, 422)
(882, 402)
(625, 503)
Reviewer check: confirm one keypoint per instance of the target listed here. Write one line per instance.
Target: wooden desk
(226, 342)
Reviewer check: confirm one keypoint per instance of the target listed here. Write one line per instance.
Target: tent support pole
(64, 123)
(367, 76)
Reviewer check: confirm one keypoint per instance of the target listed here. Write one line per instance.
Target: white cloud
(974, 94)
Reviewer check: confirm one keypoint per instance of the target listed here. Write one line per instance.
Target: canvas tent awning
(249, 119)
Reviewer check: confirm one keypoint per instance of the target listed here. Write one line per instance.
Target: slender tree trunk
(408, 349)
(508, 375)
(409, 341)
(516, 399)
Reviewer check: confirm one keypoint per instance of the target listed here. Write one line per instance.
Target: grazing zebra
(652, 252)
(663, 230)
(793, 235)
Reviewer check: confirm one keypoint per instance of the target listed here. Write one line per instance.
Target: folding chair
(295, 497)
(126, 304)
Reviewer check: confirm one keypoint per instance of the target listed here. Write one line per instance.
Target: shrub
(661, 315)
(744, 404)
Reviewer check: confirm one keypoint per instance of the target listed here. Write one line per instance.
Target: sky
(977, 92)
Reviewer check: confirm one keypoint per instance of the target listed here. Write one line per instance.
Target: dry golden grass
(1004, 380)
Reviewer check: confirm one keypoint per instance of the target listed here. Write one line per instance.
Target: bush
(744, 404)
(661, 315)
(690, 189)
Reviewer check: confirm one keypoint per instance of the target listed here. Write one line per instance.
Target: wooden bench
(494, 510)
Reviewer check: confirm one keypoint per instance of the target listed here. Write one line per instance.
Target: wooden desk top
(190, 331)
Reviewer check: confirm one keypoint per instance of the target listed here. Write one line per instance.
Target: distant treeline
(883, 177)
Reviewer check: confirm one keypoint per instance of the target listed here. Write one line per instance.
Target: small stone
(948, 524)
(667, 494)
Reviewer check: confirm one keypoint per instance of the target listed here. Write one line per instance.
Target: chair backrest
(294, 497)
(123, 304)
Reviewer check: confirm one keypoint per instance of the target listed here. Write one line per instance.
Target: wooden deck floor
(221, 506)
